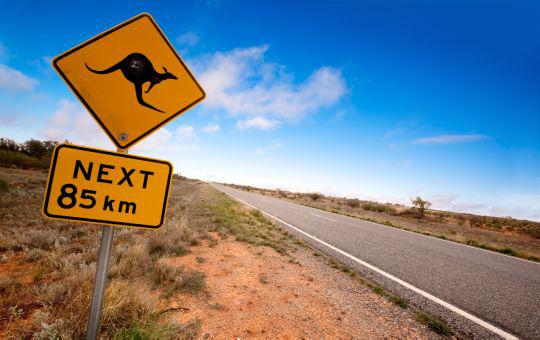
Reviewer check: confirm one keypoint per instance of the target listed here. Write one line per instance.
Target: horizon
(381, 102)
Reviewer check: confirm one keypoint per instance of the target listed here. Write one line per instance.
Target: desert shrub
(165, 273)
(39, 239)
(34, 255)
(49, 329)
(353, 202)
(122, 307)
(8, 284)
(165, 243)
(315, 196)
(376, 207)
(51, 293)
(420, 205)
(176, 279)
(190, 281)
(132, 262)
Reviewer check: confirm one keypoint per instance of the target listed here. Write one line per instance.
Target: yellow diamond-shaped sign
(131, 80)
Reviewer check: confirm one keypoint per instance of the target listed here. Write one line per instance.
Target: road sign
(99, 186)
(130, 79)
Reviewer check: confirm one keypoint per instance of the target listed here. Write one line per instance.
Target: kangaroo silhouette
(138, 69)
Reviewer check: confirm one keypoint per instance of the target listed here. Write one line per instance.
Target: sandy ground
(254, 292)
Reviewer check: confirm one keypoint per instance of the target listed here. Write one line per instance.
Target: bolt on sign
(130, 79)
(98, 186)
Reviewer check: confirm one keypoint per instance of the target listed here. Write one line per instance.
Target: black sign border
(89, 108)
(76, 147)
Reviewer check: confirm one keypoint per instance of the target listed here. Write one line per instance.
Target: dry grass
(47, 266)
(506, 235)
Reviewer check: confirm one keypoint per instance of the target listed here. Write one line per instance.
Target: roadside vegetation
(32, 154)
(520, 238)
(47, 266)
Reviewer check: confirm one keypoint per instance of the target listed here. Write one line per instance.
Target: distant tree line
(30, 154)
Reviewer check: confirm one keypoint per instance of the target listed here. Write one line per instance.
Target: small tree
(420, 205)
(34, 148)
(9, 145)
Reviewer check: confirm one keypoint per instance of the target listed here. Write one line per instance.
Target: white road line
(326, 218)
(419, 291)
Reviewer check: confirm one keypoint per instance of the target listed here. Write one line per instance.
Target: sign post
(132, 82)
(100, 282)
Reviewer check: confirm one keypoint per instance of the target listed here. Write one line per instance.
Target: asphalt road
(500, 290)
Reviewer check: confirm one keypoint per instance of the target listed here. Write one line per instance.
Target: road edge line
(405, 284)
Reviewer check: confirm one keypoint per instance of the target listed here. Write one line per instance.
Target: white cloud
(185, 132)
(72, 122)
(447, 139)
(188, 39)
(154, 142)
(453, 202)
(211, 128)
(247, 87)
(260, 123)
(165, 144)
(14, 80)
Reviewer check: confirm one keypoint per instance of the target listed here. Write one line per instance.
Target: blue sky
(381, 100)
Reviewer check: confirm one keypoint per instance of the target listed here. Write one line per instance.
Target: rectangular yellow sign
(98, 186)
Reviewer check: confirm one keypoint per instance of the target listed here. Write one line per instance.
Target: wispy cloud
(211, 128)
(164, 143)
(260, 123)
(72, 122)
(188, 39)
(260, 94)
(185, 132)
(449, 139)
(14, 80)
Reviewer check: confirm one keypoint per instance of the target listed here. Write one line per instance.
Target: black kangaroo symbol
(138, 69)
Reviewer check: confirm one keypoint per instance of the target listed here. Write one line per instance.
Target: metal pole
(100, 281)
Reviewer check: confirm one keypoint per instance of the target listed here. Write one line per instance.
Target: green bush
(18, 159)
